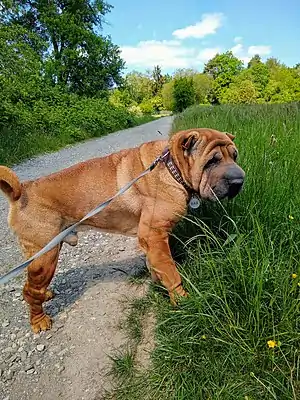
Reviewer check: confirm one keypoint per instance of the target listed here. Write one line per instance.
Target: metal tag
(194, 202)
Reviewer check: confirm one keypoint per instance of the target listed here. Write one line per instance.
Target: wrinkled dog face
(207, 159)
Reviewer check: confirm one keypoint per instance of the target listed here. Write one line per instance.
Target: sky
(186, 34)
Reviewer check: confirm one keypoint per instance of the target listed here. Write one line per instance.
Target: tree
(223, 68)
(76, 56)
(254, 60)
(139, 86)
(20, 78)
(202, 85)
(184, 93)
(243, 92)
(168, 95)
(157, 80)
(283, 86)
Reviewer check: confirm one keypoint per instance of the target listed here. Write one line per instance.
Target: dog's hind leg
(39, 275)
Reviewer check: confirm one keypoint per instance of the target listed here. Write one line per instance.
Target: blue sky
(185, 34)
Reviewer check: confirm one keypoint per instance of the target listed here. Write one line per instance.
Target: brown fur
(40, 209)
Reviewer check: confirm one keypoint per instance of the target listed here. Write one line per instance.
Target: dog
(196, 161)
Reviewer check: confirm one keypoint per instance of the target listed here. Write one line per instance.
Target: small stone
(49, 336)
(13, 336)
(23, 355)
(14, 345)
(63, 352)
(30, 371)
(40, 347)
(38, 362)
(9, 374)
(28, 367)
(18, 294)
(8, 350)
(5, 324)
(12, 358)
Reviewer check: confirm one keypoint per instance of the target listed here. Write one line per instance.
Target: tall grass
(241, 267)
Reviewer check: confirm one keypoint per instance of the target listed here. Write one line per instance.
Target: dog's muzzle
(231, 183)
(234, 177)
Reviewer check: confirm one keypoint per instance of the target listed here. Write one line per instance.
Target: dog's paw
(49, 295)
(42, 325)
(177, 294)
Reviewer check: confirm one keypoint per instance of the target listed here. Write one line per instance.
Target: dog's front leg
(154, 240)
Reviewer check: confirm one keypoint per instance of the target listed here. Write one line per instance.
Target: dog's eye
(235, 155)
(214, 160)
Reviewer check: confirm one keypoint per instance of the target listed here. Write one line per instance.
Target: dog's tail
(10, 184)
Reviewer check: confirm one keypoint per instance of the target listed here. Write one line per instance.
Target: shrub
(184, 93)
(147, 106)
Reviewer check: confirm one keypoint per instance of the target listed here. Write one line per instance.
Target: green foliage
(223, 68)
(168, 95)
(157, 80)
(203, 85)
(48, 126)
(121, 97)
(75, 57)
(284, 84)
(147, 106)
(139, 86)
(184, 93)
(243, 92)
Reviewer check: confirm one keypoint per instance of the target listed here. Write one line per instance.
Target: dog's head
(206, 159)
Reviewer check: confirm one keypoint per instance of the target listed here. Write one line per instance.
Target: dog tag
(194, 202)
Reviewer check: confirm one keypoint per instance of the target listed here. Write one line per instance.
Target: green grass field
(238, 335)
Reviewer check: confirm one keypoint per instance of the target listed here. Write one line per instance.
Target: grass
(20, 143)
(237, 260)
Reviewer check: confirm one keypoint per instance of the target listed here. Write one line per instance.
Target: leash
(58, 239)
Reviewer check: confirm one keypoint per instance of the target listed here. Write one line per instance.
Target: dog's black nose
(233, 173)
(235, 186)
(235, 178)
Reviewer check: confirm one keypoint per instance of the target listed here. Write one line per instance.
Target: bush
(184, 93)
(26, 131)
(244, 92)
(147, 106)
(168, 95)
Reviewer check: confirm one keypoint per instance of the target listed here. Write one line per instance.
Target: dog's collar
(167, 159)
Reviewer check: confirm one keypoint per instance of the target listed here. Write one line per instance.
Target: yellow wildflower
(272, 344)
(203, 337)
(294, 276)
(291, 217)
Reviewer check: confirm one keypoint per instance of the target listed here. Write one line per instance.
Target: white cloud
(245, 54)
(206, 54)
(237, 49)
(262, 50)
(207, 26)
(237, 39)
(166, 53)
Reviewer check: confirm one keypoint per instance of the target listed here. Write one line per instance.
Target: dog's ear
(189, 141)
(231, 137)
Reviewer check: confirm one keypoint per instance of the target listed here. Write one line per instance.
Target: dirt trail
(71, 360)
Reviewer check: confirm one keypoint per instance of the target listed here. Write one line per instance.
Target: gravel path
(71, 360)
